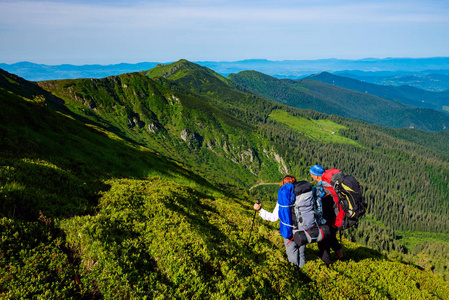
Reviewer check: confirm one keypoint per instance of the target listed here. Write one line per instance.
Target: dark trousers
(300, 239)
(333, 241)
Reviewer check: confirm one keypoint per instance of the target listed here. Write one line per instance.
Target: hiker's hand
(257, 206)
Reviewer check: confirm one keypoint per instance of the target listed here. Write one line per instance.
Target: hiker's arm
(270, 216)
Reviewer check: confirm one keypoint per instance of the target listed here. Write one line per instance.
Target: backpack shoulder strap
(324, 183)
(317, 205)
(325, 186)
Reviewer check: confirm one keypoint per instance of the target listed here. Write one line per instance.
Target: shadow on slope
(53, 163)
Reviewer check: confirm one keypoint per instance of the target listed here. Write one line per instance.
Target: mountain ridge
(293, 69)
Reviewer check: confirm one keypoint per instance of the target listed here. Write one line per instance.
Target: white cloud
(213, 29)
(47, 13)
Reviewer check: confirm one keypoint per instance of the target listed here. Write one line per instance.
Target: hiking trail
(263, 183)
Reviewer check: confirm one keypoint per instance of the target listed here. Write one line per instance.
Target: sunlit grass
(410, 239)
(324, 129)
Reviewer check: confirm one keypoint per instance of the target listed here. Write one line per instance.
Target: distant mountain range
(295, 69)
(370, 68)
(431, 80)
(38, 72)
(409, 95)
(319, 93)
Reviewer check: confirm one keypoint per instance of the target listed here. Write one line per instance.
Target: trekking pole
(252, 223)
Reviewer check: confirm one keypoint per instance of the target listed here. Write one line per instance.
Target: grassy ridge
(201, 89)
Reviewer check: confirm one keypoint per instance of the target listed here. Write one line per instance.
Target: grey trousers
(295, 254)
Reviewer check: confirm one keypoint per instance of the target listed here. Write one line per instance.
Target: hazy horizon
(235, 61)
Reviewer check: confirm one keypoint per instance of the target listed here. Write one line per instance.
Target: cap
(317, 170)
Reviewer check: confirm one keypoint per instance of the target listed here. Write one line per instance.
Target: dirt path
(263, 183)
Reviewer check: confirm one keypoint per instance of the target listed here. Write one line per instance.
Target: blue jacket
(286, 200)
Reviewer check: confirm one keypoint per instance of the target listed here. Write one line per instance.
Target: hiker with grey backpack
(309, 225)
(299, 212)
(281, 212)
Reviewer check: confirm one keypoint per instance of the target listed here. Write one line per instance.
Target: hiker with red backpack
(329, 199)
(342, 201)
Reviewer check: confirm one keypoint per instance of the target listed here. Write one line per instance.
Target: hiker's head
(288, 179)
(316, 172)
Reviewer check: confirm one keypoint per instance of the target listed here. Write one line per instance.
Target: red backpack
(326, 184)
(347, 194)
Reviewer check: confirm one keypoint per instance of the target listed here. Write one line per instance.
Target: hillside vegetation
(97, 207)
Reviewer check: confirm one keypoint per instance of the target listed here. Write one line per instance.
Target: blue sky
(107, 32)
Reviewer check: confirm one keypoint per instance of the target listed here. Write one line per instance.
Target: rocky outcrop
(153, 128)
(134, 120)
(272, 154)
(92, 105)
(194, 139)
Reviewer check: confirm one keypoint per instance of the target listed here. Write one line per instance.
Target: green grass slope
(322, 130)
(332, 99)
(87, 214)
